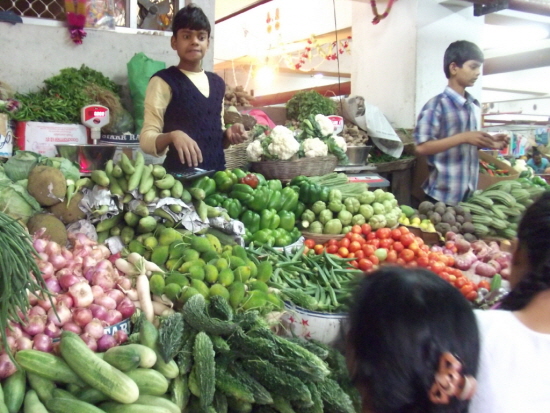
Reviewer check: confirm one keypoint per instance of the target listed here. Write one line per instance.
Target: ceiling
(516, 70)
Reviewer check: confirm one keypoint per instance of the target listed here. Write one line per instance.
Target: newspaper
(371, 119)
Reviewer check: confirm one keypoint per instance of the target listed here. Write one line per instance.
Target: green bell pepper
(207, 184)
(260, 197)
(251, 221)
(289, 199)
(324, 192)
(215, 200)
(247, 237)
(275, 200)
(298, 180)
(300, 208)
(288, 220)
(263, 237)
(239, 173)
(274, 184)
(282, 237)
(225, 180)
(243, 193)
(269, 219)
(295, 234)
(261, 179)
(309, 193)
(233, 207)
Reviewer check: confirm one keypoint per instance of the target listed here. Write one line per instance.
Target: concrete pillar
(397, 64)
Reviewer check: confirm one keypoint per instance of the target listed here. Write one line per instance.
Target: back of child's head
(402, 322)
(534, 238)
(460, 52)
(190, 17)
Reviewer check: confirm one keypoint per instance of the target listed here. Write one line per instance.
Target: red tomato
(466, 289)
(351, 255)
(392, 256)
(407, 239)
(310, 243)
(366, 229)
(354, 246)
(318, 248)
(332, 241)
(396, 234)
(250, 180)
(472, 295)
(357, 237)
(397, 246)
(407, 255)
(400, 261)
(413, 246)
(484, 284)
(452, 278)
(437, 266)
(365, 264)
(375, 243)
(404, 230)
(368, 249)
(423, 262)
(386, 243)
(343, 251)
(359, 254)
(332, 249)
(371, 236)
(460, 282)
(348, 235)
(382, 233)
(354, 263)
(306, 250)
(344, 242)
(356, 229)
(374, 259)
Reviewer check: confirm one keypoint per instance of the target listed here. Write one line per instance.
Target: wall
(32, 53)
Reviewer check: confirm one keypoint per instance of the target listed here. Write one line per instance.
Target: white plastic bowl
(324, 327)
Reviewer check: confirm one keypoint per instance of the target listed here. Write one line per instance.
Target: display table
(397, 175)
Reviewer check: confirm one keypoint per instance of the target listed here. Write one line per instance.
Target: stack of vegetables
(330, 212)
(497, 210)
(203, 359)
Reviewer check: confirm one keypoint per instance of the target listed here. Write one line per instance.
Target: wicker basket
(320, 165)
(235, 155)
(321, 238)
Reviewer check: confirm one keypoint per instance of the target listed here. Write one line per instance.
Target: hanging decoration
(380, 17)
(276, 23)
(327, 51)
(76, 19)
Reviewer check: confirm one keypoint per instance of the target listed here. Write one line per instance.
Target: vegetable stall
(128, 289)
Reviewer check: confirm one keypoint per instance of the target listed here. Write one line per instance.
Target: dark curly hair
(460, 52)
(401, 322)
(534, 237)
(190, 17)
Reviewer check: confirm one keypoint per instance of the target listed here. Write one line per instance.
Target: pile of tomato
(371, 248)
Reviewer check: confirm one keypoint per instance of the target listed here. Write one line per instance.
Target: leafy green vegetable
(310, 102)
(16, 202)
(170, 335)
(69, 170)
(19, 166)
(63, 97)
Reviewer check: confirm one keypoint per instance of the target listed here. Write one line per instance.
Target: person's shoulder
(487, 318)
(214, 76)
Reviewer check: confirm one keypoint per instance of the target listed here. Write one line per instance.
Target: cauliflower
(315, 147)
(254, 151)
(340, 142)
(283, 145)
(326, 125)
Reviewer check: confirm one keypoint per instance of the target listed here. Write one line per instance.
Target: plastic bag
(140, 69)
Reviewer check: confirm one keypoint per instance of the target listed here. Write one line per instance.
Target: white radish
(163, 300)
(144, 294)
(139, 262)
(168, 312)
(159, 308)
(126, 267)
(137, 304)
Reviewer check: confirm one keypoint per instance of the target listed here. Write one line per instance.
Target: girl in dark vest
(183, 115)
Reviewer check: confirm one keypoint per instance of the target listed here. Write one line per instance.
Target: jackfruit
(47, 185)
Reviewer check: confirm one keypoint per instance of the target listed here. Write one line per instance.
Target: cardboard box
(41, 137)
(486, 180)
(6, 137)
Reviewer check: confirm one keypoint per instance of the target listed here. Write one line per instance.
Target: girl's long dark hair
(401, 322)
(534, 237)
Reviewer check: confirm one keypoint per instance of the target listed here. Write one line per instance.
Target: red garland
(76, 19)
(379, 17)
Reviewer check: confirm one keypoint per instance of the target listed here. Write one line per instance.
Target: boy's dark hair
(534, 237)
(190, 17)
(459, 52)
(401, 323)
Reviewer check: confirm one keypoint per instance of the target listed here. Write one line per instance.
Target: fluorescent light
(511, 36)
(265, 75)
(318, 76)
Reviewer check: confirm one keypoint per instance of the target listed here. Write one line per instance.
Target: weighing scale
(95, 117)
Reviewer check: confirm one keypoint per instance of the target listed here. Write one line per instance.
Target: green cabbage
(16, 202)
(19, 166)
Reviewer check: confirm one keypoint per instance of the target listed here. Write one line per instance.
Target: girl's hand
(236, 133)
(188, 150)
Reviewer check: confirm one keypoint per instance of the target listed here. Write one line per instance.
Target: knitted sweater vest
(196, 115)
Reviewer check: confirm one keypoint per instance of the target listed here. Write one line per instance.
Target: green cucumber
(96, 372)
(59, 405)
(33, 404)
(158, 401)
(14, 391)
(111, 407)
(48, 366)
(146, 356)
(43, 387)
(149, 381)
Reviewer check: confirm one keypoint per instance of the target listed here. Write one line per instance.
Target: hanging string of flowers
(327, 51)
(380, 17)
(76, 19)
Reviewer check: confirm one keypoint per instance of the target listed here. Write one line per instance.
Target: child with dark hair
(538, 162)
(446, 130)
(413, 343)
(514, 373)
(183, 115)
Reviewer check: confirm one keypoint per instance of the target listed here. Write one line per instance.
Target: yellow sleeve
(157, 98)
